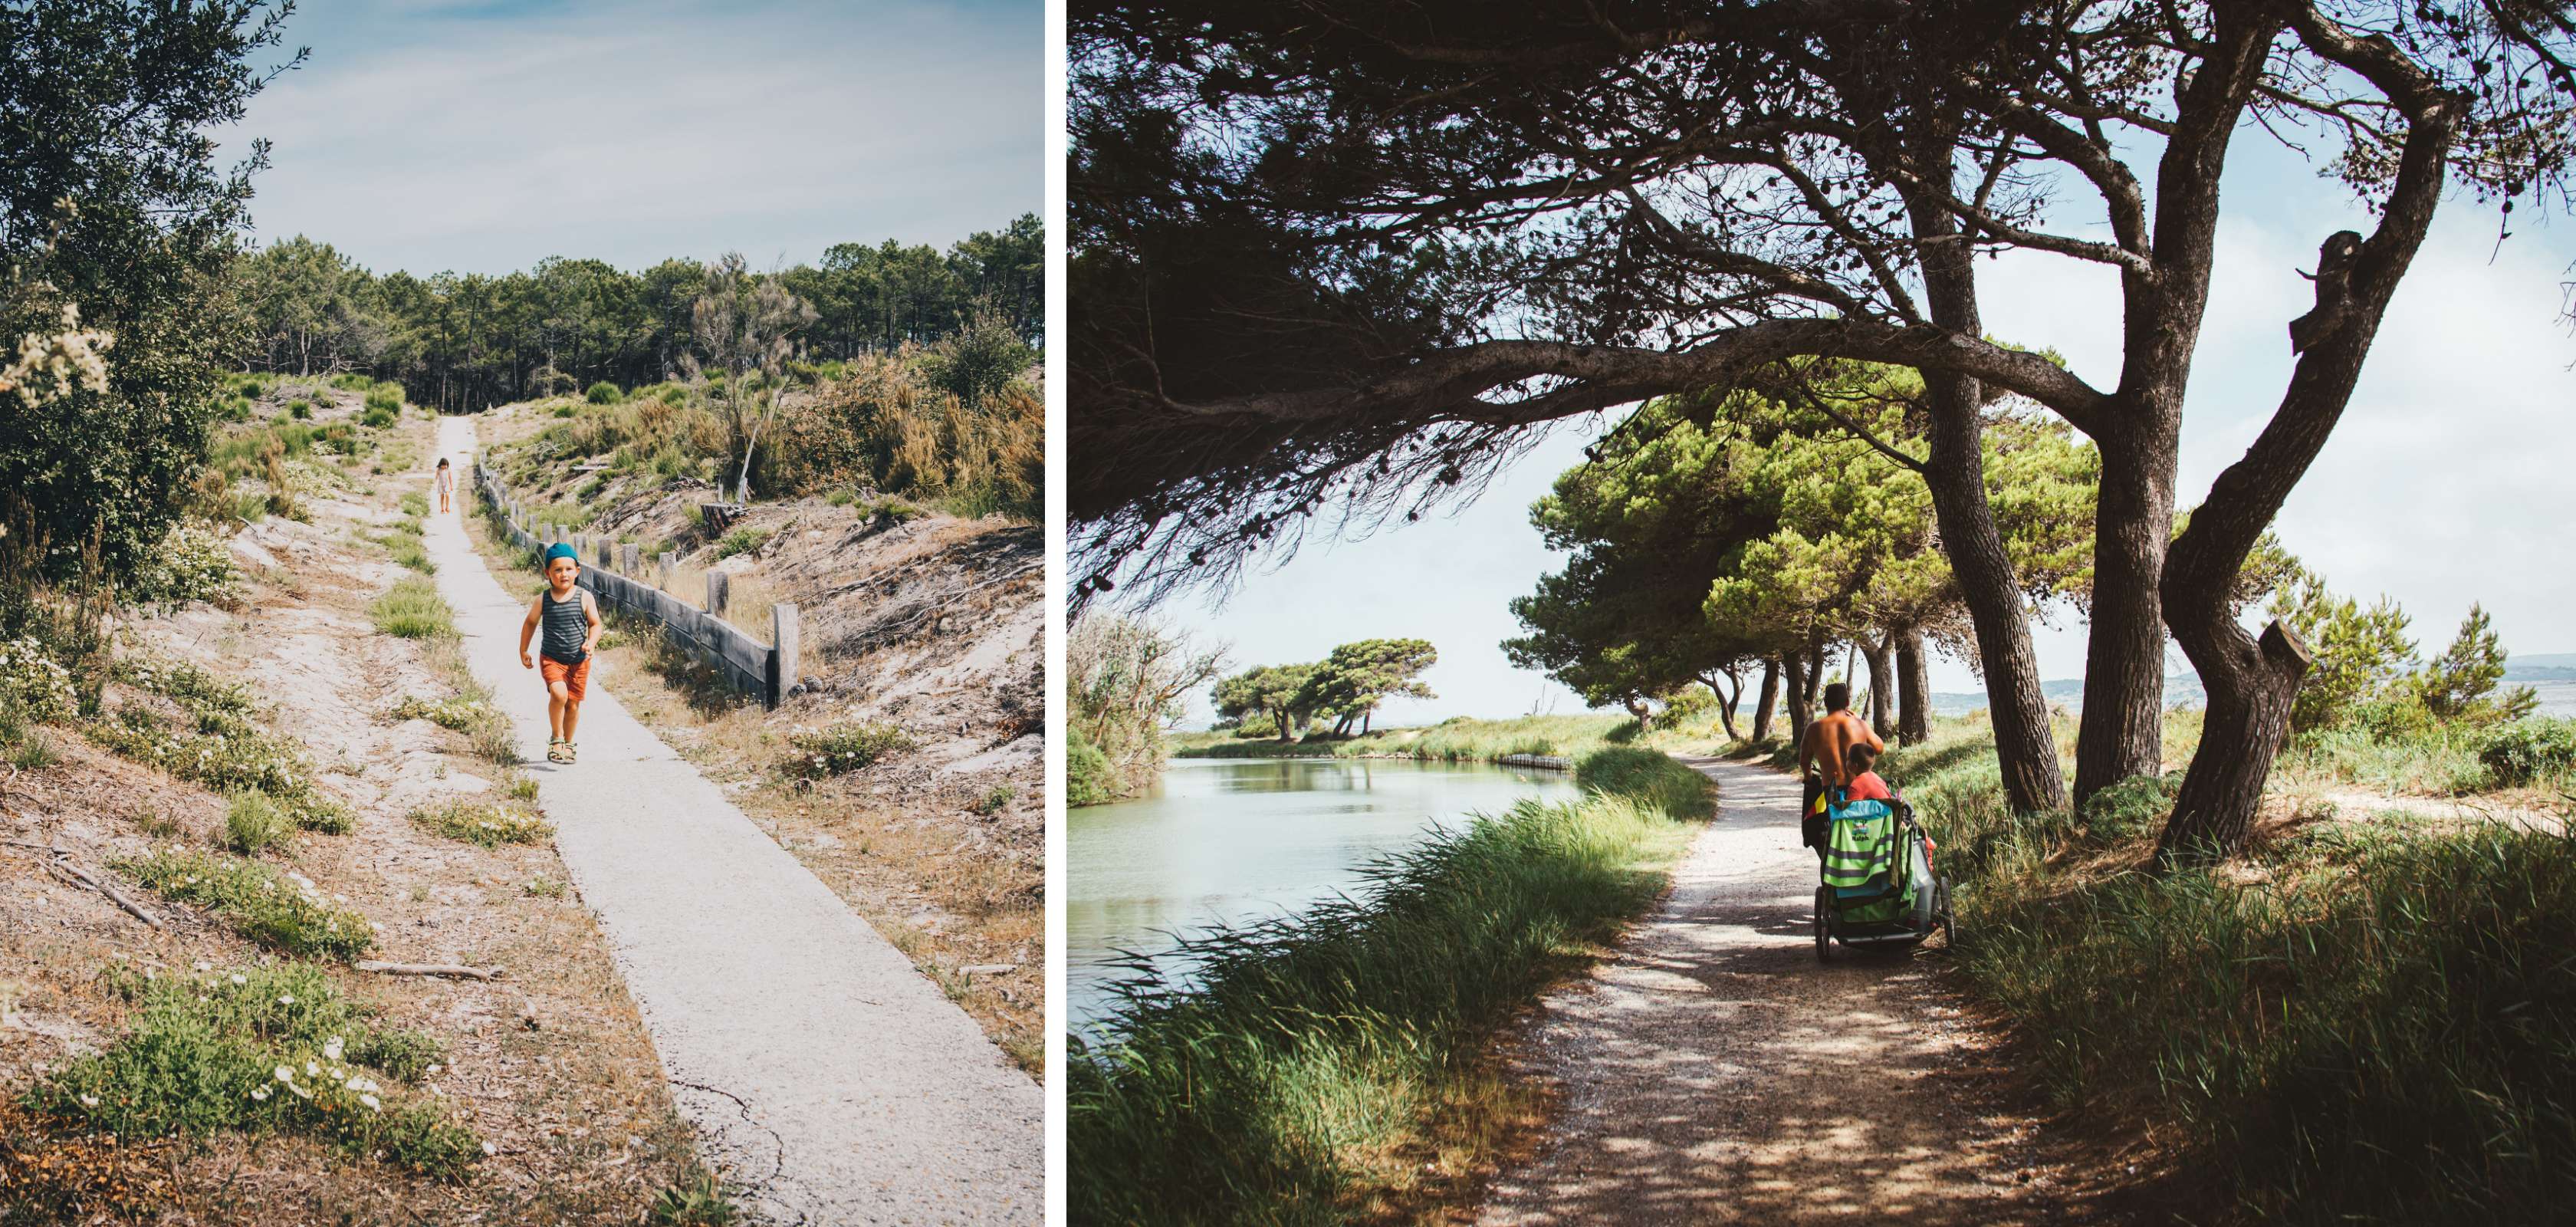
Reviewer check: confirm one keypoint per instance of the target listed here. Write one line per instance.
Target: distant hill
(2541, 667)
(2181, 690)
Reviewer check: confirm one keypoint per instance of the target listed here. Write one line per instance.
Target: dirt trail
(1714, 1072)
(824, 1072)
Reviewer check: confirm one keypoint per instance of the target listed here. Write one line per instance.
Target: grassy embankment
(2359, 1021)
(1334, 1066)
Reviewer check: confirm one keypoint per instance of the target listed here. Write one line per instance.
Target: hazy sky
(2442, 484)
(483, 137)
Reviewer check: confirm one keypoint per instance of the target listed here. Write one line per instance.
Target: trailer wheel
(1824, 926)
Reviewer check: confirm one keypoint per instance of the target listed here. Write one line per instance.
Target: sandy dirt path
(823, 1072)
(1714, 1072)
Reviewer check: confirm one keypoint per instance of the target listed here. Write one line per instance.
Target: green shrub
(890, 511)
(604, 393)
(220, 747)
(353, 381)
(299, 410)
(415, 503)
(190, 564)
(2527, 750)
(408, 549)
(483, 824)
(743, 540)
(253, 823)
(412, 609)
(33, 684)
(387, 397)
(32, 752)
(843, 748)
(282, 911)
(1088, 779)
(253, 389)
(696, 1199)
(456, 713)
(994, 799)
(379, 418)
(260, 1050)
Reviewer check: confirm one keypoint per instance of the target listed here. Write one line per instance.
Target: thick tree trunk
(1365, 717)
(1642, 714)
(1769, 694)
(1882, 677)
(1955, 471)
(1805, 670)
(2122, 733)
(1287, 725)
(2247, 721)
(1956, 474)
(1913, 689)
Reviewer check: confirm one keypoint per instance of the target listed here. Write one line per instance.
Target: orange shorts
(575, 678)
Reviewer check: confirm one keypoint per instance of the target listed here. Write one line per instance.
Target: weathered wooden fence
(616, 577)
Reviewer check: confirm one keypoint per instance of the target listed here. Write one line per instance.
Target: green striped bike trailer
(1866, 861)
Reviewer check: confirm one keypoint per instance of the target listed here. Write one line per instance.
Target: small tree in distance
(746, 324)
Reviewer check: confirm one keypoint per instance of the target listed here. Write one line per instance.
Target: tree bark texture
(1882, 679)
(1913, 689)
(1955, 471)
(2122, 728)
(1770, 693)
(2023, 741)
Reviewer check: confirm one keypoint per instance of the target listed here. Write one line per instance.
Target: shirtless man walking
(1820, 758)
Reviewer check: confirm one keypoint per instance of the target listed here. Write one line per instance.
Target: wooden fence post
(603, 553)
(629, 559)
(719, 589)
(783, 632)
(668, 563)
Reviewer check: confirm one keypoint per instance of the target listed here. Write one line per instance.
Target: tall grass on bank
(1284, 1084)
(2367, 1022)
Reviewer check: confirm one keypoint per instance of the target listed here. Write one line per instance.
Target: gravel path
(823, 1072)
(1715, 1073)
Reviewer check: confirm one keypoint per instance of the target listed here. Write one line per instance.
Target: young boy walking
(446, 484)
(571, 623)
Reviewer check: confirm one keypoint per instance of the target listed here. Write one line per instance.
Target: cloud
(487, 137)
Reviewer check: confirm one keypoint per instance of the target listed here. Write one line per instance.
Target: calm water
(1224, 841)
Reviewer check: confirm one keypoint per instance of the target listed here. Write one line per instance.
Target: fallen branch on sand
(63, 868)
(428, 969)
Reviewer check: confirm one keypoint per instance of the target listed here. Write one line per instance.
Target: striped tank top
(565, 627)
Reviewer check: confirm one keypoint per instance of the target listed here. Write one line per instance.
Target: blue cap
(562, 549)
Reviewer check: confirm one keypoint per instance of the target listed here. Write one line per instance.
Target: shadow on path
(1716, 1072)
